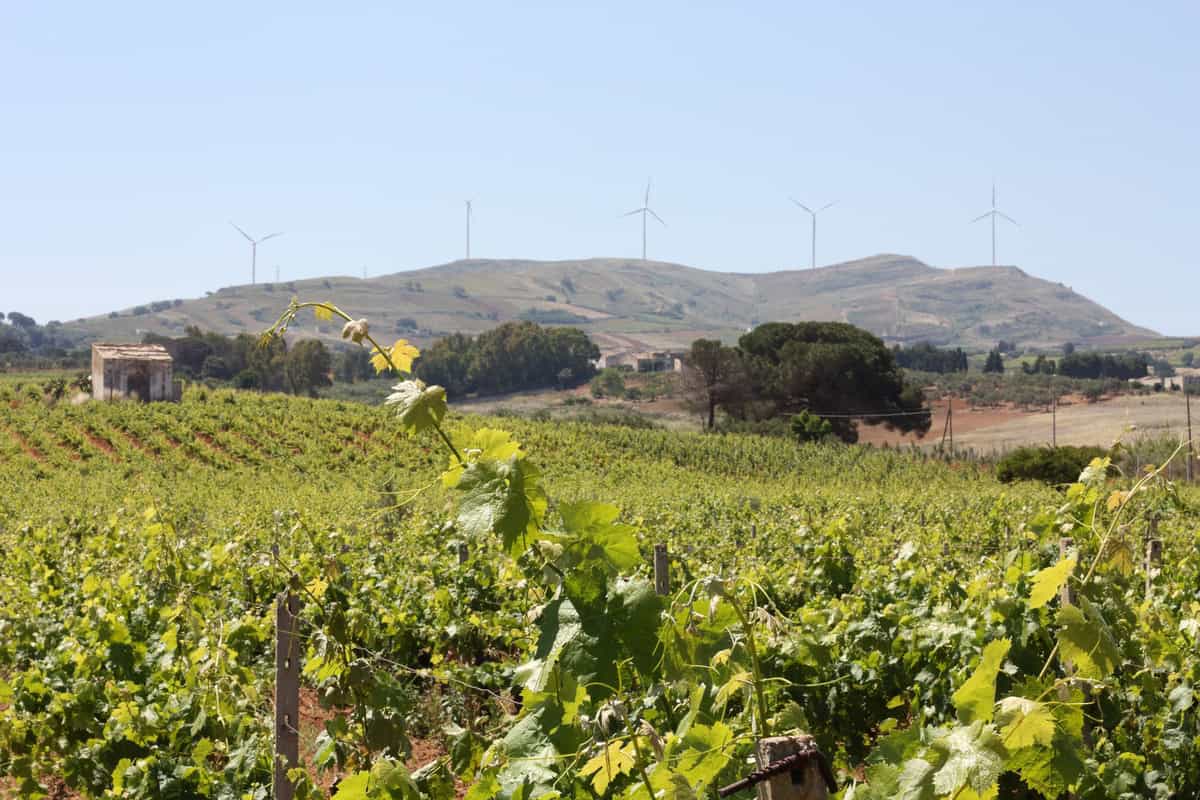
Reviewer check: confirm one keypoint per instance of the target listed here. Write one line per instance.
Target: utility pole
(1054, 419)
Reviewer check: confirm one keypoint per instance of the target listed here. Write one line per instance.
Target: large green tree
(833, 370)
(712, 377)
(307, 367)
(510, 357)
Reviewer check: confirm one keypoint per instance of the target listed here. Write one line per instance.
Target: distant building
(645, 362)
(142, 372)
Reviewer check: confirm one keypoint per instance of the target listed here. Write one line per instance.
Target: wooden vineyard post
(463, 552)
(805, 783)
(1065, 599)
(1153, 554)
(287, 691)
(662, 570)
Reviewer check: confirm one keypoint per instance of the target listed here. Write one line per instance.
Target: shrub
(808, 427)
(608, 382)
(1052, 465)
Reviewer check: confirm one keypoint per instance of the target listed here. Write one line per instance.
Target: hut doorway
(138, 385)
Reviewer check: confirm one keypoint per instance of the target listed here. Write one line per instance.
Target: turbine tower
(644, 210)
(254, 243)
(468, 230)
(995, 212)
(813, 214)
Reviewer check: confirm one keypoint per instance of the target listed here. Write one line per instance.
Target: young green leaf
(420, 407)
(1047, 582)
(1024, 722)
(975, 698)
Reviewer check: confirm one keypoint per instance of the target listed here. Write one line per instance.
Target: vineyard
(483, 587)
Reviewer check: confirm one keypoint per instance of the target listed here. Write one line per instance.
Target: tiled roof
(132, 352)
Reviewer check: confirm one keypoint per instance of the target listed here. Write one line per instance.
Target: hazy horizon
(135, 138)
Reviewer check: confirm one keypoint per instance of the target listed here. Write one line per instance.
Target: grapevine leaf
(322, 312)
(420, 407)
(581, 646)
(674, 786)
(485, 787)
(616, 759)
(974, 757)
(739, 681)
(486, 444)
(694, 702)
(402, 356)
(1086, 643)
(390, 779)
(1119, 555)
(1049, 770)
(704, 752)
(635, 611)
(531, 756)
(1047, 582)
(1025, 722)
(914, 780)
(353, 787)
(1096, 472)
(597, 536)
(974, 699)
(1181, 698)
(504, 497)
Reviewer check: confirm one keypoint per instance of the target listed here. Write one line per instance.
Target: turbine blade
(827, 205)
(982, 216)
(631, 213)
(656, 216)
(647, 192)
(797, 202)
(1007, 217)
(271, 236)
(249, 238)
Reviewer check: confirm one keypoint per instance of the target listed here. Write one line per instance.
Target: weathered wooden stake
(1153, 558)
(287, 691)
(1064, 547)
(800, 784)
(662, 570)
(463, 552)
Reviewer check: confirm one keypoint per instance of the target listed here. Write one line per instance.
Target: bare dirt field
(983, 429)
(988, 430)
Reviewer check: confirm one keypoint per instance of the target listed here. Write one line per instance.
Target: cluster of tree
(247, 362)
(1040, 366)
(1052, 465)
(994, 362)
(1095, 365)
(927, 358)
(23, 340)
(833, 370)
(511, 357)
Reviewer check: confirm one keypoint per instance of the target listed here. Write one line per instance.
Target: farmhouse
(140, 372)
(645, 362)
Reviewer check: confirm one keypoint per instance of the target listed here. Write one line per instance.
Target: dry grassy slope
(629, 303)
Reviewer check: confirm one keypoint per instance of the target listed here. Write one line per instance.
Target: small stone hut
(140, 372)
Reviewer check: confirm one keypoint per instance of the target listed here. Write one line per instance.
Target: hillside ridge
(628, 304)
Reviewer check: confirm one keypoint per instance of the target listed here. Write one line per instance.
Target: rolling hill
(632, 305)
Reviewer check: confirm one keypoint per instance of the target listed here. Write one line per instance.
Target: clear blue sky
(132, 133)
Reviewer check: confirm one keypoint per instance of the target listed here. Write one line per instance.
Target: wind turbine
(254, 243)
(468, 230)
(995, 212)
(644, 210)
(813, 214)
